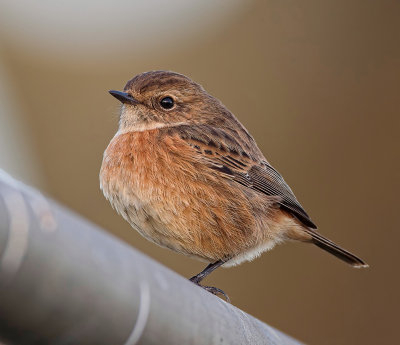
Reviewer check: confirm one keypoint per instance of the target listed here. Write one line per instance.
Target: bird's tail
(334, 249)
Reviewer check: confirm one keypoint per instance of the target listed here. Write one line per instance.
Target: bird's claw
(215, 291)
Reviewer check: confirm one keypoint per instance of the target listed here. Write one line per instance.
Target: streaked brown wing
(267, 180)
(226, 154)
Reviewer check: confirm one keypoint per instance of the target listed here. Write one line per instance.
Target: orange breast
(162, 188)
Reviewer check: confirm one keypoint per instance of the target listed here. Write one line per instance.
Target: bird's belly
(165, 221)
(136, 204)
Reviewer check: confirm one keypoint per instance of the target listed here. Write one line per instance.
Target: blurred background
(316, 83)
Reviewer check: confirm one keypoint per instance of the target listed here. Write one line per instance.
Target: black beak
(123, 97)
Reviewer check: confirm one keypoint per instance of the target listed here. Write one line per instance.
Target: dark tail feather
(334, 249)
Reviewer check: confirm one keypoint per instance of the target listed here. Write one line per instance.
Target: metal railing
(65, 281)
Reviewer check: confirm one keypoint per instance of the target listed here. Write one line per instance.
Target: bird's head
(159, 98)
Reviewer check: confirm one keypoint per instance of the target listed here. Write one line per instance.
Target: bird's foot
(215, 291)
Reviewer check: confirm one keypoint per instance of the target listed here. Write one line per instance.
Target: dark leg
(204, 273)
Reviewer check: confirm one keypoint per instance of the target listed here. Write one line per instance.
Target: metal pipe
(63, 280)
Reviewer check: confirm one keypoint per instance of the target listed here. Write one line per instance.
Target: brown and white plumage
(191, 178)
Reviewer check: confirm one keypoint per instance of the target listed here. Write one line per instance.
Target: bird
(188, 176)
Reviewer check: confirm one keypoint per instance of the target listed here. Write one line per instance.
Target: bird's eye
(167, 102)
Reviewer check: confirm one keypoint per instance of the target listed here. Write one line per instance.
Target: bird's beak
(123, 97)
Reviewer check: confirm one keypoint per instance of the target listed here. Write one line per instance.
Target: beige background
(317, 84)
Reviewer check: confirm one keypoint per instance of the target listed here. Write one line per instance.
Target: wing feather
(227, 155)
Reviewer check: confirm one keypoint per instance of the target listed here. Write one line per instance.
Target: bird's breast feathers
(170, 195)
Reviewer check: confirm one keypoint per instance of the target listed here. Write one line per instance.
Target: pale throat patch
(146, 126)
(142, 126)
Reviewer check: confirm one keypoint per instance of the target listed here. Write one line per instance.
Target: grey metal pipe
(65, 281)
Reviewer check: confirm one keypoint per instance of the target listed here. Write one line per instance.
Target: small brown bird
(186, 174)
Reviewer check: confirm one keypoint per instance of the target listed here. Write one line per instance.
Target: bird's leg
(204, 273)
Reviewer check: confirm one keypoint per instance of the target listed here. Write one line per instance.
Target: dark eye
(167, 102)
